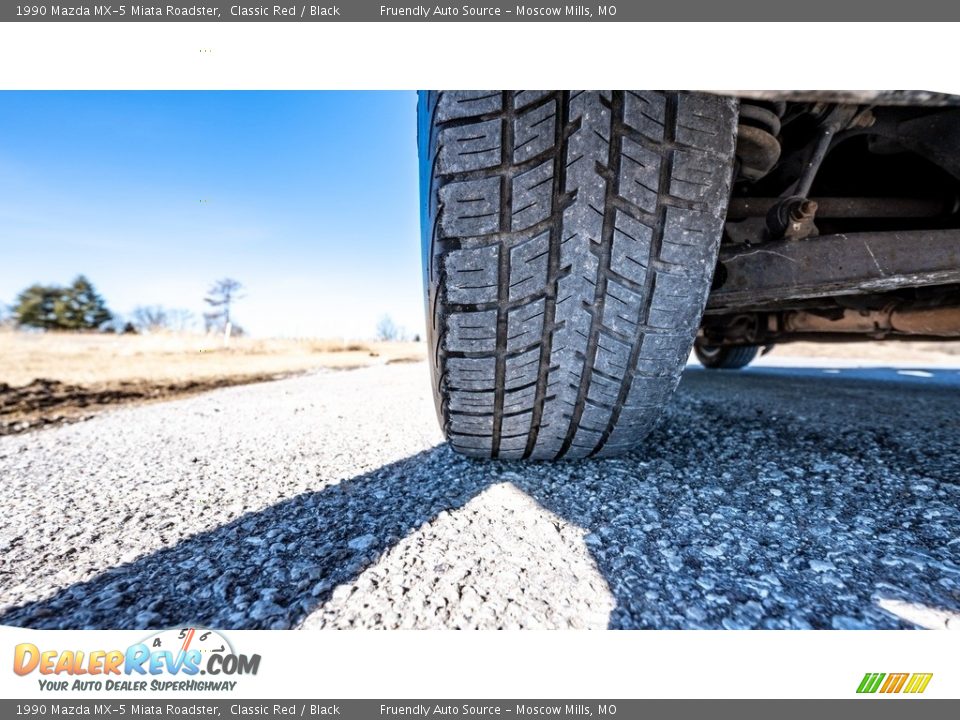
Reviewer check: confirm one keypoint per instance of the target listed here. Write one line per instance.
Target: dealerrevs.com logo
(181, 653)
(888, 683)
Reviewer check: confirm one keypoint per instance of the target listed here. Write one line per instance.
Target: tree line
(78, 306)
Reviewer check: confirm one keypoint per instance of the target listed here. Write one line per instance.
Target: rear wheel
(725, 358)
(569, 244)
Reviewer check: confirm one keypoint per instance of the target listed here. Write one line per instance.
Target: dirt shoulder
(48, 379)
(51, 402)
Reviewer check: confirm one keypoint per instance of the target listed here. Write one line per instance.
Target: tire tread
(570, 243)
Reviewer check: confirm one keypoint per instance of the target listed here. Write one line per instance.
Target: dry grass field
(81, 358)
(48, 378)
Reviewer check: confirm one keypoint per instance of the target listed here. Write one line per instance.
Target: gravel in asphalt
(763, 500)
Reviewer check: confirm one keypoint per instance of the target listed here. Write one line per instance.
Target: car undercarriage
(843, 222)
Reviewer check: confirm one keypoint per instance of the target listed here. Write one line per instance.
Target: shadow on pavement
(764, 499)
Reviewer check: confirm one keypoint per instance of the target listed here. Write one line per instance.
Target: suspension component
(838, 118)
(792, 219)
(757, 146)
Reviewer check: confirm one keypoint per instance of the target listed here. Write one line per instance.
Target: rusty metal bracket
(843, 264)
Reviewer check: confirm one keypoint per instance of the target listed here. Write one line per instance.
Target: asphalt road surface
(768, 498)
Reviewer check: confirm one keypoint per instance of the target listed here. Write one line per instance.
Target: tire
(569, 244)
(725, 358)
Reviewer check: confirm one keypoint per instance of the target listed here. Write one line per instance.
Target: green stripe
(871, 682)
(863, 683)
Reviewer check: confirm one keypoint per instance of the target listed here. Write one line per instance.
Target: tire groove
(503, 272)
(603, 265)
(650, 279)
(562, 131)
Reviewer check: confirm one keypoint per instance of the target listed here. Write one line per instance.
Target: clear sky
(308, 198)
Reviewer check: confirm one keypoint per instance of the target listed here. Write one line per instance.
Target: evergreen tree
(83, 308)
(51, 307)
(36, 306)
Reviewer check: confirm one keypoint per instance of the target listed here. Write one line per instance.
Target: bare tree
(149, 318)
(386, 329)
(220, 297)
(180, 319)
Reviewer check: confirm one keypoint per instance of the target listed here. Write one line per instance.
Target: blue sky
(308, 198)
